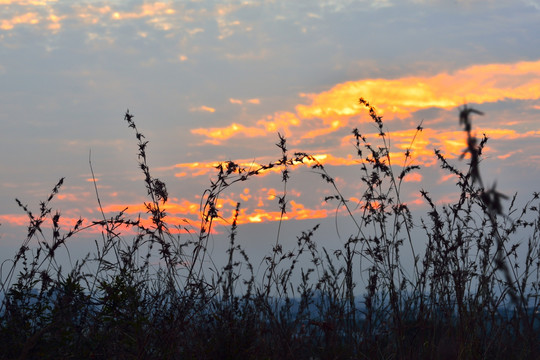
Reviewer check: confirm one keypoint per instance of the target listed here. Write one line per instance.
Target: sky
(212, 81)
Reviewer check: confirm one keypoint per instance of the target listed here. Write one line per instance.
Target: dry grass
(468, 296)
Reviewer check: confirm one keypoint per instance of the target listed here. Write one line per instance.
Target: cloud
(204, 108)
(157, 14)
(27, 2)
(253, 101)
(183, 211)
(145, 10)
(204, 168)
(15, 220)
(413, 177)
(27, 18)
(400, 97)
(228, 27)
(218, 134)
(65, 222)
(394, 98)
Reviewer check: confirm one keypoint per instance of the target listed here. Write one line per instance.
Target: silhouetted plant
(468, 294)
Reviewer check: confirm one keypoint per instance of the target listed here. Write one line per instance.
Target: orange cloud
(69, 196)
(401, 97)
(240, 102)
(280, 121)
(91, 14)
(28, 18)
(204, 108)
(397, 98)
(506, 156)
(217, 135)
(157, 12)
(27, 2)
(330, 128)
(183, 207)
(65, 222)
(146, 10)
(300, 212)
(297, 212)
(413, 177)
(16, 220)
(204, 168)
(246, 195)
(451, 144)
(185, 211)
(509, 134)
(55, 22)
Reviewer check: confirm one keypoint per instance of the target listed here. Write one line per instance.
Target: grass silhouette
(469, 294)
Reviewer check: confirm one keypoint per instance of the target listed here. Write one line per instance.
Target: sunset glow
(398, 98)
(28, 18)
(146, 10)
